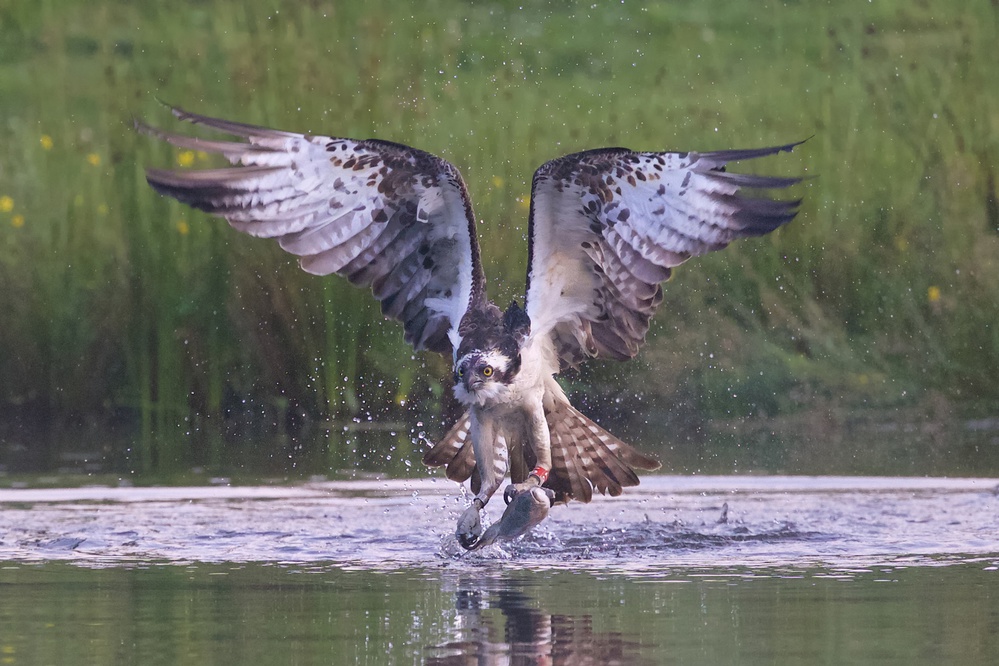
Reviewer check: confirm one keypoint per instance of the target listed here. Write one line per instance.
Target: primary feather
(383, 215)
(607, 226)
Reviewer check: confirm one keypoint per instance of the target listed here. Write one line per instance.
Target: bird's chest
(520, 395)
(502, 430)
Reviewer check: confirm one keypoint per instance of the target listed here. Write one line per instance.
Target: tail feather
(567, 477)
(585, 457)
(454, 451)
(579, 475)
(461, 466)
(615, 472)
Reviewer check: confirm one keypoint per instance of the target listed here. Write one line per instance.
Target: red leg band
(541, 473)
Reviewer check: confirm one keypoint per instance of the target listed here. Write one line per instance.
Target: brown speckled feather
(383, 215)
(454, 451)
(585, 457)
(608, 225)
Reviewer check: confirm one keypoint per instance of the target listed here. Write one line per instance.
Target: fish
(525, 510)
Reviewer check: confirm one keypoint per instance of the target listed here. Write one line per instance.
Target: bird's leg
(540, 439)
(491, 459)
(536, 478)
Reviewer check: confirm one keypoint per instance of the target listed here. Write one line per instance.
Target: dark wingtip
(723, 156)
(789, 147)
(174, 109)
(143, 127)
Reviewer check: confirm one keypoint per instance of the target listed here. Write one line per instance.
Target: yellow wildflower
(497, 182)
(202, 156)
(17, 221)
(46, 142)
(102, 209)
(524, 201)
(185, 158)
(6, 204)
(94, 159)
(933, 294)
(183, 228)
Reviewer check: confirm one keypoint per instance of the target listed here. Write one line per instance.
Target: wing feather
(384, 215)
(585, 457)
(454, 451)
(608, 225)
(579, 485)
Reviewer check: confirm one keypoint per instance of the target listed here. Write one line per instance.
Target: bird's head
(488, 358)
(480, 373)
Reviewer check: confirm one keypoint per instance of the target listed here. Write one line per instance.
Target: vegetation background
(141, 339)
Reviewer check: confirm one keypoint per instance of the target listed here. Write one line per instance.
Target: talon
(509, 494)
(469, 526)
(468, 541)
(514, 489)
(550, 494)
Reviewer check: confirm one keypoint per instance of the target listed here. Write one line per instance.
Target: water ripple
(666, 523)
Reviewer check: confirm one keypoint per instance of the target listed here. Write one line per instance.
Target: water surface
(679, 570)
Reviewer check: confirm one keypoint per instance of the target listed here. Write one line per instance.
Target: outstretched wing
(383, 215)
(607, 226)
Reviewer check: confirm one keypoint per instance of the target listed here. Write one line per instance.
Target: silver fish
(527, 509)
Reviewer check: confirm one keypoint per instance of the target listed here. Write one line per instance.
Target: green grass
(120, 304)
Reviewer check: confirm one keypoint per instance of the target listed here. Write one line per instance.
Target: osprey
(605, 229)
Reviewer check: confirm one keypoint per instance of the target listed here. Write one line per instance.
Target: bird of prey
(605, 229)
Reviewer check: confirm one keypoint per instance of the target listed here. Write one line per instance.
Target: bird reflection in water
(506, 625)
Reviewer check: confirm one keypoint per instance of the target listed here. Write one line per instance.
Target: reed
(117, 301)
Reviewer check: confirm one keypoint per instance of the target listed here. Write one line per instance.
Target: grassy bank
(121, 307)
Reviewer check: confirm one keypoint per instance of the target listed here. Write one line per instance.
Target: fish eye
(487, 371)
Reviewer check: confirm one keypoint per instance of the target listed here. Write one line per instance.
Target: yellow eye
(487, 371)
(461, 372)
